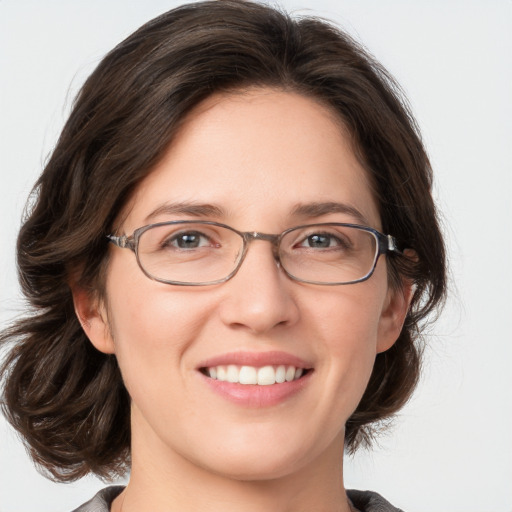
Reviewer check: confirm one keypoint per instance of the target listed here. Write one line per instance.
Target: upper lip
(256, 359)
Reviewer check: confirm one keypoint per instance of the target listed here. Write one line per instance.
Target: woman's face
(253, 158)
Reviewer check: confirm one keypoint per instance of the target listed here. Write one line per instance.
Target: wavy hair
(68, 400)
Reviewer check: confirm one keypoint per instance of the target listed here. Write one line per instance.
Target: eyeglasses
(194, 253)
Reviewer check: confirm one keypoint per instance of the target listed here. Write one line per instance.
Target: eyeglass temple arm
(388, 243)
(122, 241)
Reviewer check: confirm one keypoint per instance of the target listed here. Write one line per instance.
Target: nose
(260, 296)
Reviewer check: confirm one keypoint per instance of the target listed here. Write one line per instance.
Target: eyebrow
(187, 208)
(324, 208)
(311, 210)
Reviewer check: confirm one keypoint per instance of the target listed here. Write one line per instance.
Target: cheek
(345, 327)
(152, 324)
(347, 318)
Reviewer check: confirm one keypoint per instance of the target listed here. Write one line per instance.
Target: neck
(169, 482)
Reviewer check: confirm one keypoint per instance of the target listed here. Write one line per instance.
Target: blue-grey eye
(321, 241)
(188, 240)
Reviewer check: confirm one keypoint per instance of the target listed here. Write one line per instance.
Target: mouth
(256, 379)
(267, 375)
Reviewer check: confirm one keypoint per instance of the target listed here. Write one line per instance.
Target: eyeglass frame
(385, 244)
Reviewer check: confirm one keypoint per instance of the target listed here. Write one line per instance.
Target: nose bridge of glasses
(251, 236)
(255, 235)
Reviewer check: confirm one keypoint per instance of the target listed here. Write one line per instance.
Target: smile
(252, 375)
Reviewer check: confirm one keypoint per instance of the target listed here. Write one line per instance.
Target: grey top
(364, 501)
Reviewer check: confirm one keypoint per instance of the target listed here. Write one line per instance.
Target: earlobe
(92, 315)
(393, 315)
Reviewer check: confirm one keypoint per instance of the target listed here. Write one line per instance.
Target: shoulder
(367, 501)
(364, 501)
(102, 500)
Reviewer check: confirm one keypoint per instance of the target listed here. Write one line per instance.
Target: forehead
(257, 155)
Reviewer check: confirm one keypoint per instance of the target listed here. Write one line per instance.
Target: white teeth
(264, 376)
(290, 373)
(281, 374)
(248, 375)
(221, 373)
(232, 373)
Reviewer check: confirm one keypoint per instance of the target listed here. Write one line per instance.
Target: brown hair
(67, 399)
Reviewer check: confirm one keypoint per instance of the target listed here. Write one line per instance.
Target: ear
(393, 315)
(92, 315)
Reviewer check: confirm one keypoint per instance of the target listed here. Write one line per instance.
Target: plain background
(451, 447)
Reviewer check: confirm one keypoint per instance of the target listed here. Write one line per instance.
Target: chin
(262, 459)
(259, 469)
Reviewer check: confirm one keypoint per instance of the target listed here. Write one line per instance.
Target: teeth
(264, 376)
(221, 373)
(248, 375)
(233, 373)
(280, 374)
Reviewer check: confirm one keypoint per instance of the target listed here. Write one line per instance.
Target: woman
(245, 300)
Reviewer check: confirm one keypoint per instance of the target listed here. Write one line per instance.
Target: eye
(322, 241)
(187, 240)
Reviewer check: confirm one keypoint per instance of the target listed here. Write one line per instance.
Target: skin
(256, 154)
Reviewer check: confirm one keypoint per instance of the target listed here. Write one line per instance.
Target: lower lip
(250, 395)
